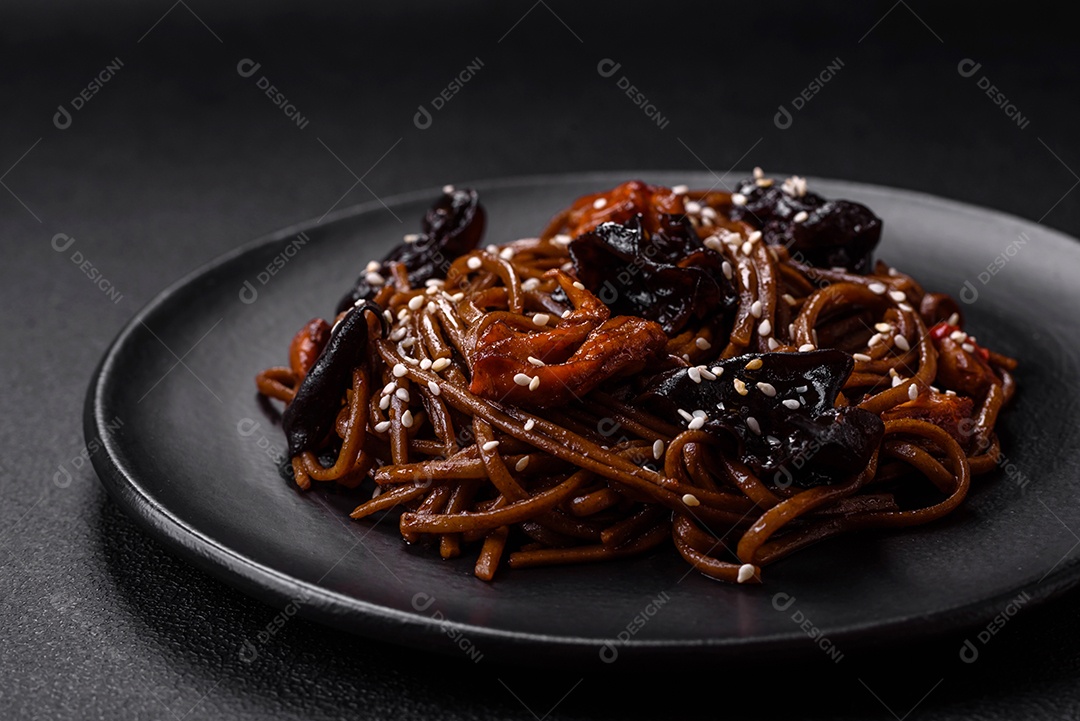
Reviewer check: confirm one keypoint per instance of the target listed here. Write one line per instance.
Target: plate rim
(373, 620)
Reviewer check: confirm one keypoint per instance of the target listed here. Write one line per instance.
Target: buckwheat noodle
(523, 486)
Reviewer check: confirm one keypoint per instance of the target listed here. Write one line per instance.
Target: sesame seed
(382, 427)
(400, 370)
(579, 285)
(883, 327)
(758, 172)
(767, 388)
(902, 343)
(408, 343)
(658, 449)
(691, 500)
(765, 327)
(950, 393)
(415, 302)
(456, 297)
(746, 572)
(474, 263)
(747, 247)
(403, 394)
(490, 446)
(726, 267)
(411, 237)
(755, 309)
(384, 403)
(541, 319)
(874, 340)
(753, 425)
(898, 295)
(771, 342)
(529, 424)
(905, 307)
(536, 361)
(754, 364)
(862, 357)
(754, 237)
(521, 379)
(534, 383)
(763, 182)
(696, 424)
(877, 288)
(566, 313)
(685, 415)
(434, 388)
(389, 388)
(372, 266)
(561, 239)
(374, 278)
(740, 387)
(447, 189)
(695, 374)
(411, 361)
(407, 419)
(738, 199)
(807, 347)
(792, 403)
(700, 414)
(388, 315)
(958, 336)
(802, 389)
(708, 213)
(530, 284)
(439, 363)
(425, 364)
(706, 373)
(680, 189)
(954, 319)
(897, 380)
(435, 282)
(968, 347)
(718, 370)
(789, 299)
(403, 314)
(522, 464)
(693, 207)
(801, 216)
(913, 391)
(599, 203)
(703, 343)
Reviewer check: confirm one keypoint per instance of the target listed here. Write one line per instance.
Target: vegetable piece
(828, 234)
(667, 276)
(307, 344)
(312, 412)
(585, 349)
(778, 412)
(451, 227)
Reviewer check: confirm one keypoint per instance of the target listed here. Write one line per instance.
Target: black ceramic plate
(193, 456)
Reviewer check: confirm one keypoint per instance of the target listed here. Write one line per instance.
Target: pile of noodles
(591, 475)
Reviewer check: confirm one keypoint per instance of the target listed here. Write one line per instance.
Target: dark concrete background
(179, 158)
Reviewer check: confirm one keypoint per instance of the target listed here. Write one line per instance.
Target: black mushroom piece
(669, 276)
(777, 412)
(451, 227)
(312, 413)
(831, 234)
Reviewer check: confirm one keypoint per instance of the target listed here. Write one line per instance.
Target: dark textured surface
(179, 159)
